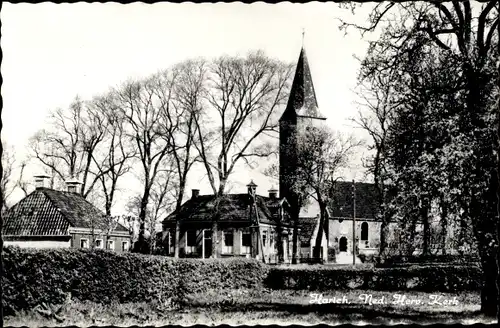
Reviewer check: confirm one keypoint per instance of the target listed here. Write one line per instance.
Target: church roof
(342, 204)
(302, 100)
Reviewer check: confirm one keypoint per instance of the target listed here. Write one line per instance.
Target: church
(252, 225)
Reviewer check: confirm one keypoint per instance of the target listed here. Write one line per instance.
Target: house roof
(307, 225)
(341, 205)
(51, 212)
(302, 100)
(231, 207)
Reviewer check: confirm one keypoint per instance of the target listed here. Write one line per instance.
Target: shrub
(33, 277)
(451, 278)
(368, 258)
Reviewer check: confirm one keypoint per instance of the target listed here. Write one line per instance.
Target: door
(207, 243)
(343, 244)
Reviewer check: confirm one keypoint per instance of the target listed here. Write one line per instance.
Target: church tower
(301, 112)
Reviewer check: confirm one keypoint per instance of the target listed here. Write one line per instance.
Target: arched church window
(364, 231)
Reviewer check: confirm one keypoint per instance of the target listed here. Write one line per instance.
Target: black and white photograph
(250, 163)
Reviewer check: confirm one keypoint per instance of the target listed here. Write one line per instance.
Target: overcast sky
(52, 52)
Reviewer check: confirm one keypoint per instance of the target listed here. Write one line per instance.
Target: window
(227, 247)
(99, 243)
(364, 231)
(264, 239)
(170, 239)
(111, 245)
(246, 242)
(84, 243)
(190, 241)
(191, 238)
(124, 246)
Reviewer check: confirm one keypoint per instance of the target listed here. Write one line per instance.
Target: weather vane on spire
(303, 33)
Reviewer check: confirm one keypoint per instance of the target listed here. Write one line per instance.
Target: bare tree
(7, 184)
(188, 91)
(162, 201)
(244, 96)
(68, 147)
(375, 120)
(143, 104)
(113, 159)
(322, 154)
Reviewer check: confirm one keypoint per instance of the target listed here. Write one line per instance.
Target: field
(265, 306)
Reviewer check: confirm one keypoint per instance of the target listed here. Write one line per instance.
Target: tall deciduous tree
(143, 105)
(66, 148)
(322, 155)
(242, 101)
(375, 117)
(187, 101)
(114, 157)
(7, 183)
(467, 35)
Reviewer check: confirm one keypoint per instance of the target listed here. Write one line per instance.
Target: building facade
(49, 218)
(233, 225)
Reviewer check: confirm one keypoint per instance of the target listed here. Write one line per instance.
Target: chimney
(195, 193)
(73, 185)
(273, 193)
(40, 181)
(252, 187)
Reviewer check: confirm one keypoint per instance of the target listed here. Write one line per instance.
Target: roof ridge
(54, 203)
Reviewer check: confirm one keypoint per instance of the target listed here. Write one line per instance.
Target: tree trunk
(383, 236)
(483, 225)
(180, 196)
(141, 245)
(108, 208)
(177, 235)
(319, 236)
(489, 291)
(426, 228)
(222, 186)
(410, 241)
(444, 227)
(498, 180)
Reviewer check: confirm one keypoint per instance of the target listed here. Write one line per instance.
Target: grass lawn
(251, 307)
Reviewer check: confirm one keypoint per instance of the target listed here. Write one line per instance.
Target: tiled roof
(50, 212)
(341, 205)
(302, 100)
(232, 207)
(307, 226)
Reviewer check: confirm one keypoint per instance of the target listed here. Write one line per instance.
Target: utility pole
(353, 223)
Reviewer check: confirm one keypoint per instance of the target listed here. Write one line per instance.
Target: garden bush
(368, 258)
(450, 278)
(33, 277)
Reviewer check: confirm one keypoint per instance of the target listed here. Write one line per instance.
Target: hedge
(402, 260)
(450, 278)
(32, 277)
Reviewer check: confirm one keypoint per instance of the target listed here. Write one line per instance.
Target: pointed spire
(302, 99)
